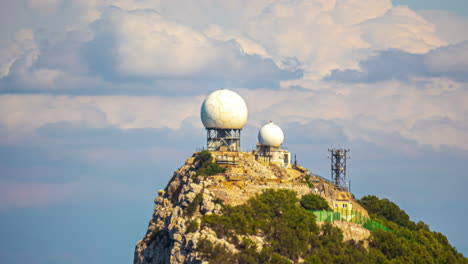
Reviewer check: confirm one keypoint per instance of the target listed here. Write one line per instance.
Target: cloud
(325, 35)
(445, 62)
(133, 45)
(25, 113)
(438, 132)
(31, 64)
(362, 109)
(70, 163)
(44, 6)
(138, 51)
(22, 50)
(134, 49)
(314, 132)
(403, 29)
(451, 28)
(145, 44)
(451, 61)
(371, 113)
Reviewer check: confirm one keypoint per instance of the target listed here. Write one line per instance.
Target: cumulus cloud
(325, 35)
(451, 28)
(362, 113)
(366, 112)
(448, 62)
(146, 44)
(451, 61)
(25, 113)
(22, 50)
(32, 64)
(248, 43)
(401, 28)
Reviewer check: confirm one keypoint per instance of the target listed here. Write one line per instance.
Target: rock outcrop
(173, 232)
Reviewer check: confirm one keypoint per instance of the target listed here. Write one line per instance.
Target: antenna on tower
(338, 159)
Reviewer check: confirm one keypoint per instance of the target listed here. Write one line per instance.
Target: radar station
(224, 114)
(270, 138)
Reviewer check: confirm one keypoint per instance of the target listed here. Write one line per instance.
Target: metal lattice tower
(223, 139)
(338, 159)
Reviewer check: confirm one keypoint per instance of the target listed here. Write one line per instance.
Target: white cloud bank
(146, 44)
(127, 42)
(431, 114)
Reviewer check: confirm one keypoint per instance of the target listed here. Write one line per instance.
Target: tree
(386, 209)
(314, 202)
(206, 166)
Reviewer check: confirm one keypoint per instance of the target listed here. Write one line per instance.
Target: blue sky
(458, 7)
(100, 100)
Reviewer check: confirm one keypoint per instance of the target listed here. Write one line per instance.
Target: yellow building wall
(342, 205)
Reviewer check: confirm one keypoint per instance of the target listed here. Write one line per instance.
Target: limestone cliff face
(173, 234)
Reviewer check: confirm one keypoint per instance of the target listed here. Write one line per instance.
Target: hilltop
(251, 212)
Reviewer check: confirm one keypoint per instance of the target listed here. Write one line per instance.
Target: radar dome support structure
(224, 114)
(338, 159)
(269, 150)
(218, 139)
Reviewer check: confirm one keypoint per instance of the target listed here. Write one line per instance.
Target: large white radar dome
(270, 135)
(224, 109)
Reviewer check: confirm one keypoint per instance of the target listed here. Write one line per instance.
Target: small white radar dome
(224, 109)
(270, 135)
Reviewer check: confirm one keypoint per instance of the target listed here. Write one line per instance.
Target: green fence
(373, 225)
(349, 216)
(322, 216)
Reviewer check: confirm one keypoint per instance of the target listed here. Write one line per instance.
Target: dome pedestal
(273, 155)
(219, 139)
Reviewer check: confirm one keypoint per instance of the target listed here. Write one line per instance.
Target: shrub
(314, 202)
(206, 166)
(210, 169)
(307, 181)
(215, 253)
(204, 156)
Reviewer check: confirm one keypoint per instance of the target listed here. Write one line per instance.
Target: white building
(270, 138)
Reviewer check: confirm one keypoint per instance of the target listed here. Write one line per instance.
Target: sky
(100, 101)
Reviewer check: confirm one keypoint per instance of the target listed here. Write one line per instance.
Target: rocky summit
(176, 228)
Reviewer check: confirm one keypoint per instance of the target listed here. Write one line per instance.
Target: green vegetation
(409, 242)
(248, 255)
(193, 226)
(384, 208)
(314, 202)
(193, 206)
(292, 234)
(206, 166)
(307, 181)
(215, 253)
